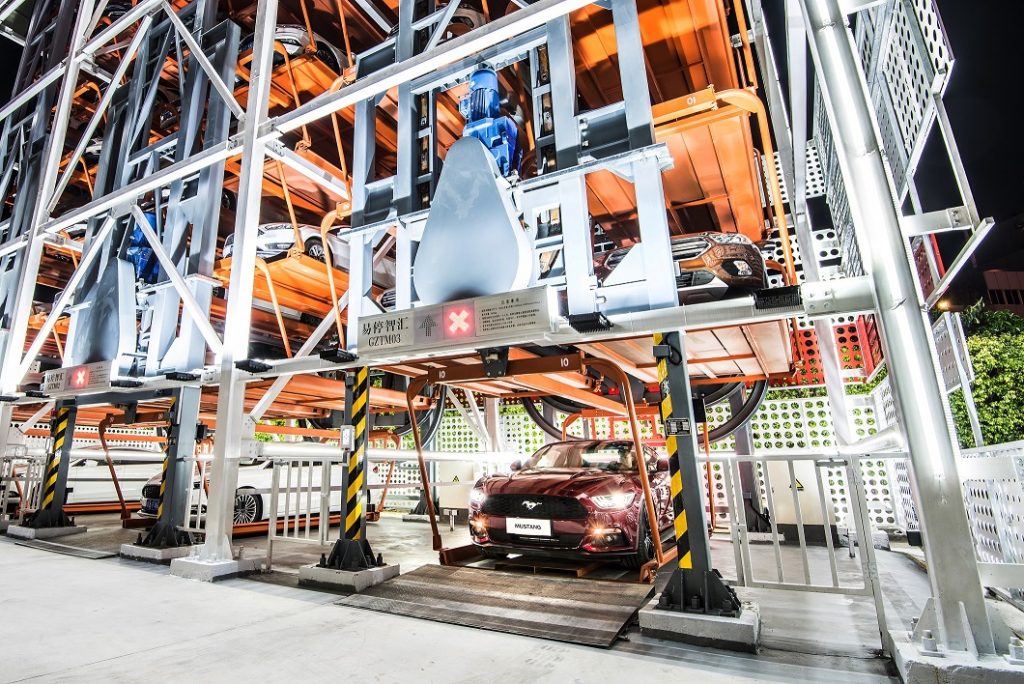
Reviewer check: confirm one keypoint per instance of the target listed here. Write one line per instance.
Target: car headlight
(477, 496)
(742, 268)
(614, 499)
(729, 238)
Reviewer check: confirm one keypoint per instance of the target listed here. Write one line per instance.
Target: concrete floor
(122, 620)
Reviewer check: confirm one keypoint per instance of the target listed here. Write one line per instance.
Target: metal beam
(188, 300)
(841, 297)
(961, 260)
(204, 62)
(380, 82)
(231, 416)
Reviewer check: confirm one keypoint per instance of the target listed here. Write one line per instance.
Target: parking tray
(578, 611)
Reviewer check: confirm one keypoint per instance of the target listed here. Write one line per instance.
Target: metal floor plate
(76, 551)
(579, 611)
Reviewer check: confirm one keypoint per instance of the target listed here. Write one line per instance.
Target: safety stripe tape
(53, 465)
(676, 479)
(356, 463)
(167, 457)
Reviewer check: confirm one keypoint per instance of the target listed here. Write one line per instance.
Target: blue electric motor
(481, 108)
(141, 254)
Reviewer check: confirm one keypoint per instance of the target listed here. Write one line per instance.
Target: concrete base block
(211, 571)
(951, 666)
(736, 634)
(152, 554)
(22, 532)
(4, 524)
(420, 518)
(345, 579)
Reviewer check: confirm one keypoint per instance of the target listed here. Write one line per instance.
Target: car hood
(559, 482)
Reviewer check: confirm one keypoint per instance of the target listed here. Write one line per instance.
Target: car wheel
(248, 508)
(314, 248)
(645, 550)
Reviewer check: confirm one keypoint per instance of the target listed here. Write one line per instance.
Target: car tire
(314, 248)
(248, 508)
(645, 551)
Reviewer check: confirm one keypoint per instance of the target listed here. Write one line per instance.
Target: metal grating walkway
(587, 612)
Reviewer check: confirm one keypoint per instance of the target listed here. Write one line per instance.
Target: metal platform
(572, 610)
(76, 551)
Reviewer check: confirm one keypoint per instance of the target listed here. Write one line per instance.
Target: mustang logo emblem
(530, 505)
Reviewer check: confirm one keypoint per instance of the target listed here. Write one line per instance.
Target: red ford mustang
(577, 499)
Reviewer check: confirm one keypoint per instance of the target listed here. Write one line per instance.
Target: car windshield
(610, 457)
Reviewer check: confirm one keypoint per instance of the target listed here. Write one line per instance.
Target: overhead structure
(217, 216)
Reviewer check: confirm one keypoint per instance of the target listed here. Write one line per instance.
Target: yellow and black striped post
(177, 474)
(355, 520)
(694, 585)
(352, 551)
(55, 480)
(166, 463)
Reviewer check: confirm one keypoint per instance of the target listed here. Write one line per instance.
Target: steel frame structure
(853, 113)
(396, 205)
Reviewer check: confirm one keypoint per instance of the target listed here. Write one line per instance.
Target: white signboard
(510, 318)
(77, 379)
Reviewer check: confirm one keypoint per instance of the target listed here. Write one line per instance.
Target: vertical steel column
(407, 118)
(55, 479)
(21, 307)
(747, 485)
(662, 290)
(694, 585)
(633, 73)
(352, 550)
(33, 196)
(562, 71)
(360, 262)
(355, 520)
(231, 400)
(176, 474)
(956, 587)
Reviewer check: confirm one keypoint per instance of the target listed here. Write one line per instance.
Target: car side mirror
(662, 466)
(516, 465)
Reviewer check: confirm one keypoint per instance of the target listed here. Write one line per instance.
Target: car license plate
(528, 527)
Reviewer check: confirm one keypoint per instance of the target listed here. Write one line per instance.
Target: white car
(273, 239)
(252, 497)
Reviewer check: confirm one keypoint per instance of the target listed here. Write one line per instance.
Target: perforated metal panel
(995, 506)
(906, 59)
(88, 436)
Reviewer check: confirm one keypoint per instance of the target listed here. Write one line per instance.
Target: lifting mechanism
(559, 200)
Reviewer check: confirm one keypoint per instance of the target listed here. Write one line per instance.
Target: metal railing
(303, 496)
(796, 492)
(21, 478)
(993, 485)
(198, 498)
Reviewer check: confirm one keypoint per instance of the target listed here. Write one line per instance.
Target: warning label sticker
(507, 313)
(677, 426)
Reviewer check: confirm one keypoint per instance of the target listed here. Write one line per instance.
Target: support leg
(352, 551)
(55, 479)
(695, 586)
(176, 476)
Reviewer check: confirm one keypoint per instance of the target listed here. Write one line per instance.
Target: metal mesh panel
(995, 505)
